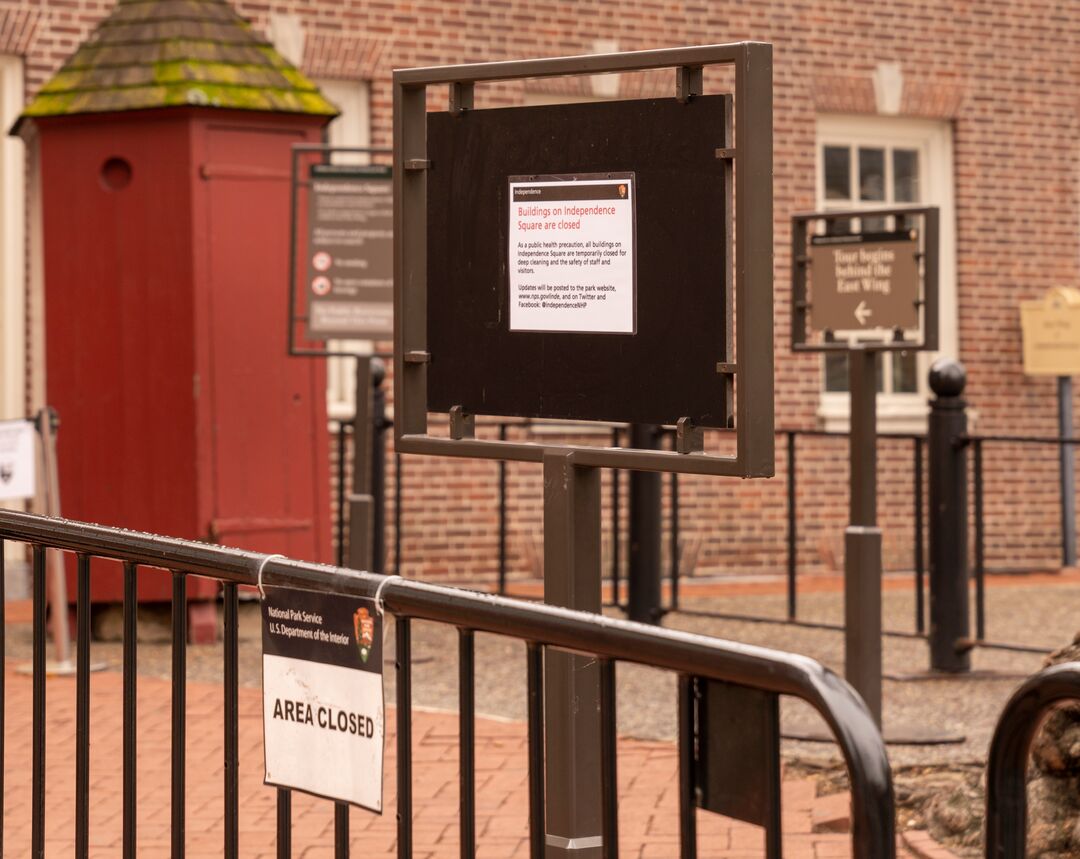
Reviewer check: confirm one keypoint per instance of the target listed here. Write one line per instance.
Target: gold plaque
(1051, 330)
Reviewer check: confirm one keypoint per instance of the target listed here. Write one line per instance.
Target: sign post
(341, 285)
(1068, 472)
(1051, 330)
(863, 293)
(576, 262)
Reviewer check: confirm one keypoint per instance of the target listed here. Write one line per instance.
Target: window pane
(873, 225)
(839, 227)
(904, 372)
(905, 175)
(871, 174)
(837, 173)
(836, 372)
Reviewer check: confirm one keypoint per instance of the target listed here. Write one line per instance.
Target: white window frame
(12, 243)
(351, 128)
(933, 141)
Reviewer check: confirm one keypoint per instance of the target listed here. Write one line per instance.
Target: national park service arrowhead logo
(364, 630)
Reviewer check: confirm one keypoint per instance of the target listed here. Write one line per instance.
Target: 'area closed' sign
(323, 714)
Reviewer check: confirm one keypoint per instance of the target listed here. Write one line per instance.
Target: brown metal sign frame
(749, 356)
(928, 300)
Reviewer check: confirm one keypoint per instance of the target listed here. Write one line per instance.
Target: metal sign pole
(48, 422)
(572, 683)
(643, 575)
(1068, 472)
(361, 503)
(862, 539)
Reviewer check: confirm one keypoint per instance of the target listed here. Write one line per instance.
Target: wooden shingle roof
(166, 53)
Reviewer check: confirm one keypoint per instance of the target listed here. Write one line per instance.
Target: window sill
(895, 414)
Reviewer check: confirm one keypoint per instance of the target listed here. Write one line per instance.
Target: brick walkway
(647, 776)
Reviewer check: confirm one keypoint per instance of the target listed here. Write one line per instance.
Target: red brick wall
(1003, 74)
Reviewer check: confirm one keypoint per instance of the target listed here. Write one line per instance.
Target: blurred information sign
(350, 253)
(1051, 330)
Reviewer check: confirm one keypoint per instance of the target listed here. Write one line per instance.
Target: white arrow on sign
(862, 313)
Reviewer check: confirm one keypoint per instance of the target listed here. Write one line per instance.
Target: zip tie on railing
(378, 592)
(262, 566)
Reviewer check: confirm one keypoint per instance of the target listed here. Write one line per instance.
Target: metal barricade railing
(1006, 775)
(537, 626)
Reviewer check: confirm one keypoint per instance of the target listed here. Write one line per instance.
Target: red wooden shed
(163, 147)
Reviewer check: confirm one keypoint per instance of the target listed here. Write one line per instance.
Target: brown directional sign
(863, 282)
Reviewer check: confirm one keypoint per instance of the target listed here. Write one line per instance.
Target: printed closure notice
(323, 707)
(572, 264)
(18, 454)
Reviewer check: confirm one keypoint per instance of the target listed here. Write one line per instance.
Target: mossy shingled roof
(166, 53)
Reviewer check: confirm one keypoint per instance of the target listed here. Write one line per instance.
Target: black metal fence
(617, 575)
(694, 658)
(976, 444)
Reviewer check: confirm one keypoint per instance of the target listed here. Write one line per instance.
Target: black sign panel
(737, 770)
(318, 627)
(666, 368)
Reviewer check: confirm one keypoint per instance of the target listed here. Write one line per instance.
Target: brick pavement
(647, 776)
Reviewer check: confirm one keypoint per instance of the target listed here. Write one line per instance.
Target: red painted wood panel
(269, 441)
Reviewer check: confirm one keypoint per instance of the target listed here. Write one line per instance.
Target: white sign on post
(572, 266)
(17, 460)
(323, 709)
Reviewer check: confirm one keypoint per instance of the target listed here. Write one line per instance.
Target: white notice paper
(571, 264)
(17, 460)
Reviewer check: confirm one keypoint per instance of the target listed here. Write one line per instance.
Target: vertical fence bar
(687, 820)
(397, 514)
(502, 516)
(131, 710)
(341, 830)
(179, 709)
(616, 547)
(920, 553)
(403, 665)
(674, 544)
(609, 757)
(232, 717)
(340, 524)
(980, 568)
(792, 529)
(535, 672)
(37, 818)
(467, 749)
(82, 708)
(284, 824)
(615, 559)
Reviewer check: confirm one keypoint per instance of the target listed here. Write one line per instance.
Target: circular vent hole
(116, 174)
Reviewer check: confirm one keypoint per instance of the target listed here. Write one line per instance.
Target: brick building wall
(1002, 75)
